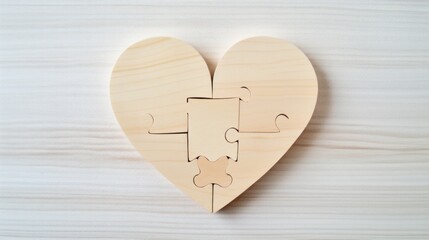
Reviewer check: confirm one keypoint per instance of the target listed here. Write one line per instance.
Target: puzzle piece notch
(244, 94)
(208, 120)
(137, 123)
(213, 172)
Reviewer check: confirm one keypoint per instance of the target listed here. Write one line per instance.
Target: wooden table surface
(359, 171)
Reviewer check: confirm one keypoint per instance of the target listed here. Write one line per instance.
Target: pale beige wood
(209, 119)
(256, 81)
(168, 154)
(213, 172)
(279, 77)
(156, 76)
(258, 152)
(281, 80)
(359, 171)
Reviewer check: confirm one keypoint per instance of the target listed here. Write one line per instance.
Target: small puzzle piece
(213, 172)
(208, 121)
(279, 76)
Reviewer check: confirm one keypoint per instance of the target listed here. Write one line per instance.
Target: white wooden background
(359, 171)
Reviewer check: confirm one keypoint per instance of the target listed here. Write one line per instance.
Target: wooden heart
(213, 139)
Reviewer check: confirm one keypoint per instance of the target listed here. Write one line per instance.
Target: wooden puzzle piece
(258, 152)
(168, 154)
(156, 76)
(279, 76)
(212, 172)
(208, 121)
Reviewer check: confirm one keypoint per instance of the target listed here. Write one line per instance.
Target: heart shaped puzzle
(213, 137)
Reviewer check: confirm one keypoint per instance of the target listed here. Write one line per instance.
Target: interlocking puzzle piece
(208, 121)
(279, 76)
(258, 152)
(213, 172)
(168, 154)
(156, 76)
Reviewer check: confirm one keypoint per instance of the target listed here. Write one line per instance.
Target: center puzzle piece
(208, 120)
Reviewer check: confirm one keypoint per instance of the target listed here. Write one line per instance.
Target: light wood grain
(277, 78)
(359, 171)
(283, 93)
(149, 90)
(213, 172)
(209, 119)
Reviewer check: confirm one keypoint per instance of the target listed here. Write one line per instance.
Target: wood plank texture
(359, 171)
